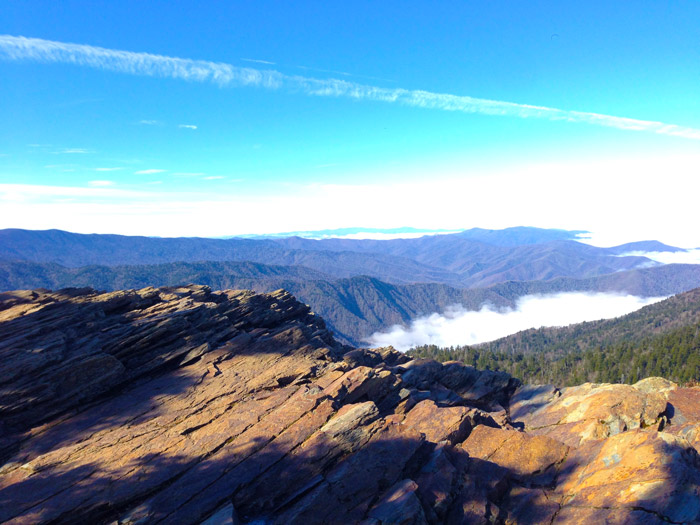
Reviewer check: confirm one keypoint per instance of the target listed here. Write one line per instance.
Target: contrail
(15, 48)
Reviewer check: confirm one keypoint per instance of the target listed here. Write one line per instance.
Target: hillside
(495, 256)
(184, 405)
(76, 250)
(662, 339)
(643, 246)
(354, 308)
(679, 311)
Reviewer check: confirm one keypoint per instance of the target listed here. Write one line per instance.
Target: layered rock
(183, 405)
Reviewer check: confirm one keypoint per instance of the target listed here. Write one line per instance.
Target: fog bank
(680, 257)
(457, 326)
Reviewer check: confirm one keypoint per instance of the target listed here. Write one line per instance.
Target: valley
(359, 286)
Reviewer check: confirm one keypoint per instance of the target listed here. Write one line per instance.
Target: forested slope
(354, 307)
(662, 339)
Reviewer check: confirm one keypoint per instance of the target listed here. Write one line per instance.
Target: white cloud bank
(457, 326)
(680, 257)
(16, 48)
(436, 203)
(381, 236)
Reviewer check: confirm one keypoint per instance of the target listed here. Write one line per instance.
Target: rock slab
(186, 405)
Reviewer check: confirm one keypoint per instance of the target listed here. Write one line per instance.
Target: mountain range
(463, 259)
(359, 286)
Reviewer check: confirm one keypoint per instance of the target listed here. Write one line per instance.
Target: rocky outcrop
(184, 405)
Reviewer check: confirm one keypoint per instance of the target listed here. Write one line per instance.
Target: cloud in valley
(16, 48)
(457, 326)
(680, 257)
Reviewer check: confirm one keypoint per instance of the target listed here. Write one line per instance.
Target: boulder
(587, 412)
(451, 424)
(399, 506)
(638, 470)
(521, 454)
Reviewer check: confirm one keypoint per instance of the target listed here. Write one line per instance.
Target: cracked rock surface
(184, 405)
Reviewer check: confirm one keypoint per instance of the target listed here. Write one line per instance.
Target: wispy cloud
(214, 177)
(342, 73)
(108, 169)
(100, 183)
(267, 62)
(222, 74)
(149, 172)
(145, 122)
(332, 71)
(70, 151)
(457, 326)
(187, 126)
(320, 70)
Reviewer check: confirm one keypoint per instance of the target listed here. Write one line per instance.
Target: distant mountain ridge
(643, 247)
(354, 307)
(513, 236)
(520, 235)
(359, 286)
(448, 259)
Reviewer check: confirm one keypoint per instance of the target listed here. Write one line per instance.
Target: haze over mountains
(360, 286)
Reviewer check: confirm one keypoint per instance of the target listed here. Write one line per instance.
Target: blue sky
(272, 116)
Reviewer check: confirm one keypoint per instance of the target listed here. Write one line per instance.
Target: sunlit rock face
(184, 405)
